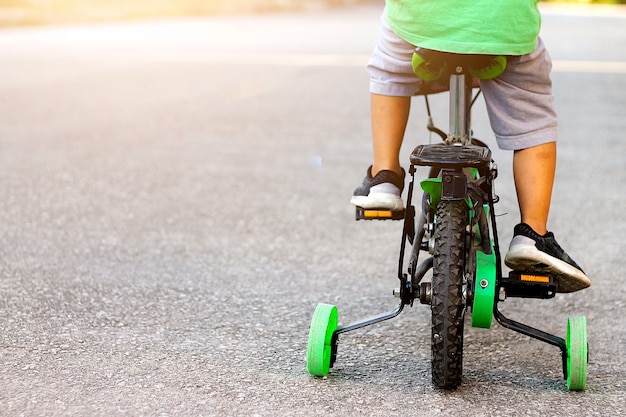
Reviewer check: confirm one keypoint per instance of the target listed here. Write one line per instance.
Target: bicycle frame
(460, 170)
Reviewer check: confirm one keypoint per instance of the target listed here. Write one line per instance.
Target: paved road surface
(174, 203)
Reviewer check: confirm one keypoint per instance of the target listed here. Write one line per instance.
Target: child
(519, 105)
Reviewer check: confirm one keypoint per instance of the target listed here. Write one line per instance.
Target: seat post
(458, 132)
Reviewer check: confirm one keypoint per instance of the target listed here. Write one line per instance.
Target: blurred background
(36, 12)
(32, 12)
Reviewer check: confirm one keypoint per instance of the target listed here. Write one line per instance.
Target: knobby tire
(448, 305)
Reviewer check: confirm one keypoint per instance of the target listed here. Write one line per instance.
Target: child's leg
(522, 116)
(533, 170)
(384, 181)
(392, 83)
(389, 116)
(521, 111)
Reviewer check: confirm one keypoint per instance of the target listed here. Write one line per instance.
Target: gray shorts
(519, 102)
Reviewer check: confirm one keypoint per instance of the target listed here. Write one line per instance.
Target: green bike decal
(432, 186)
(485, 291)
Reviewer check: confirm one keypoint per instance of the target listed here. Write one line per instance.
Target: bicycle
(457, 227)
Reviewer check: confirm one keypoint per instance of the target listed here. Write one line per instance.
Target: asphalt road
(174, 203)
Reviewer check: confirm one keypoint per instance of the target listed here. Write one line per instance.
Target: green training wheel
(577, 353)
(320, 348)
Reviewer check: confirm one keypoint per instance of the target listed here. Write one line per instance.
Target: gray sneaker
(380, 192)
(531, 252)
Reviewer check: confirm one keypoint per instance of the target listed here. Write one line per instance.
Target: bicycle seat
(430, 65)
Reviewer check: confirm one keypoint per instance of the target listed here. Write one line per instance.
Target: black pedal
(378, 214)
(528, 285)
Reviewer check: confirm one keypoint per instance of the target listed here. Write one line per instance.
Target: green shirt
(498, 27)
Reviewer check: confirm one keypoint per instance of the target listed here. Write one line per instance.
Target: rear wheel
(448, 301)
